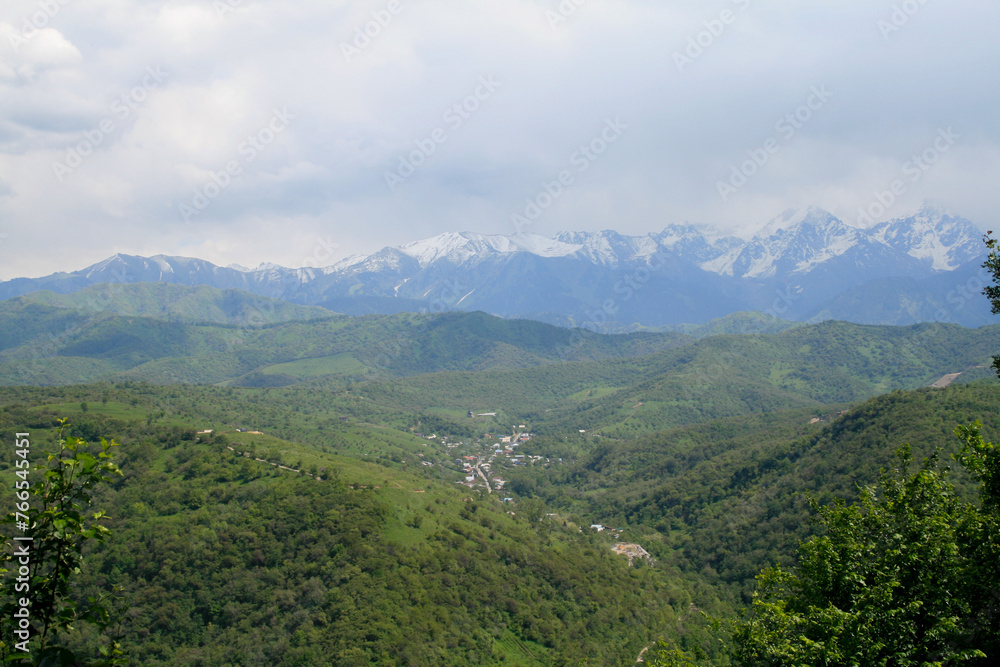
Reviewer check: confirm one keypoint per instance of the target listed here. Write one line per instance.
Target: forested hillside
(356, 549)
(52, 339)
(727, 497)
(228, 560)
(458, 488)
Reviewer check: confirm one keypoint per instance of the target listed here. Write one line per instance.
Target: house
(596, 526)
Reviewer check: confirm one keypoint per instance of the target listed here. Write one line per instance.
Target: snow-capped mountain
(932, 235)
(799, 265)
(799, 243)
(794, 242)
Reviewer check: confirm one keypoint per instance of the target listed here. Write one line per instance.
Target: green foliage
(60, 523)
(213, 338)
(668, 655)
(231, 561)
(906, 578)
(178, 303)
(237, 562)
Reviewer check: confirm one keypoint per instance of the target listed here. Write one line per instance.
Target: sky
(302, 132)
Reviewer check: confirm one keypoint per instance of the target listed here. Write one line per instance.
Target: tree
(908, 577)
(59, 523)
(992, 292)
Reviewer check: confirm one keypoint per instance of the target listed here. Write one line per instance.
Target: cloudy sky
(292, 130)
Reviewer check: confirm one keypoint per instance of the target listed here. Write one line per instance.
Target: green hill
(726, 498)
(233, 560)
(229, 560)
(713, 378)
(832, 362)
(178, 303)
(43, 344)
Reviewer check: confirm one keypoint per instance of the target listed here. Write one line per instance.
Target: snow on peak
(794, 218)
(270, 267)
(459, 247)
(796, 241)
(933, 235)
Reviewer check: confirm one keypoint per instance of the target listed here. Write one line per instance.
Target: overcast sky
(248, 131)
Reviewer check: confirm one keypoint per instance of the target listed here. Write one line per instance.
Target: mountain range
(804, 265)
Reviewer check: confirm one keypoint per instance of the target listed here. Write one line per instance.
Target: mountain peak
(460, 247)
(791, 219)
(934, 236)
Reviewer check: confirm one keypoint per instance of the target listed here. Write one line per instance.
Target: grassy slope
(48, 345)
(234, 561)
(726, 498)
(178, 303)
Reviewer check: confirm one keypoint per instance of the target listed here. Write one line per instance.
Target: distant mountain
(799, 243)
(946, 242)
(804, 266)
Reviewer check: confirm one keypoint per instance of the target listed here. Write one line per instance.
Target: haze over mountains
(804, 265)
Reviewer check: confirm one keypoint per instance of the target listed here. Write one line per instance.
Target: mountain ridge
(681, 275)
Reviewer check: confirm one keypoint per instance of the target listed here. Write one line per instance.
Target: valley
(505, 334)
(460, 488)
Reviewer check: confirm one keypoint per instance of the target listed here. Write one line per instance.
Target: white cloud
(354, 118)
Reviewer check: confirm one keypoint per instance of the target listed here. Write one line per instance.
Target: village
(480, 467)
(479, 462)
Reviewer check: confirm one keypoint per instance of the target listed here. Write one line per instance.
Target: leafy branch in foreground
(908, 577)
(59, 524)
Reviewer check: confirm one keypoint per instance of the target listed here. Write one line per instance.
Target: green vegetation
(907, 578)
(306, 488)
(42, 344)
(724, 498)
(228, 560)
(50, 529)
(177, 303)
